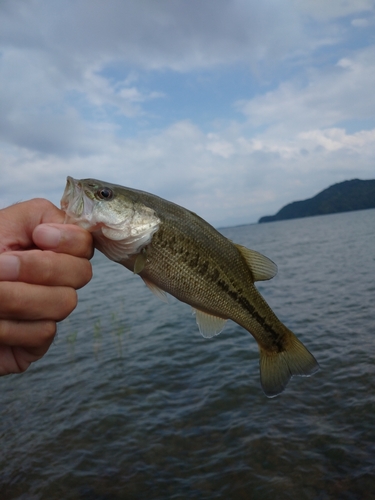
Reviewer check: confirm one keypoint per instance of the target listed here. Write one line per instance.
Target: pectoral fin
(140, 263)
(156, 290)
(261, 267)
(209, 325)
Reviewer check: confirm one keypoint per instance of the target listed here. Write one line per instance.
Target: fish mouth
(71, 201)
(75, 203)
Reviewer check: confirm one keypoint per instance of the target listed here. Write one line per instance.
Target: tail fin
(276, 368)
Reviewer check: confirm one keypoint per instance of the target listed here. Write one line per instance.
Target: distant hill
(342, 197)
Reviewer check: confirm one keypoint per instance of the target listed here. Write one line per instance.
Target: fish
(177, 252)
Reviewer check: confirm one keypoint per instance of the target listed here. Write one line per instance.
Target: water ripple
(132, 403)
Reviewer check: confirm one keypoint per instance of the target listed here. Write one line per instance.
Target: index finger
(18, 221)
(64, 238)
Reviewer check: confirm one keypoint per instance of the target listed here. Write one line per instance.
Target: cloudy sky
(231, 108)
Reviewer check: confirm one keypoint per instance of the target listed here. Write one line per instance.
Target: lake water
(132, 403)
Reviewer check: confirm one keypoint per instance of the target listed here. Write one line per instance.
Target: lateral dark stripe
(245, 304)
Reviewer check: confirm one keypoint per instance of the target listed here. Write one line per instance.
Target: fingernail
(9, 267)
(48, 236)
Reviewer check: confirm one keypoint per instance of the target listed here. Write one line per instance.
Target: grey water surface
(132, 403)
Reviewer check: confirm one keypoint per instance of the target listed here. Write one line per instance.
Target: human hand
(42, 264)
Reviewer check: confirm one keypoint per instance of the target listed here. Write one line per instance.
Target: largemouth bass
(175, 251)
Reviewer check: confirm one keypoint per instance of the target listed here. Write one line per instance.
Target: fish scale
(175, 251)
(207, 270)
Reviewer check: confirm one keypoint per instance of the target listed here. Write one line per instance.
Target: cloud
(77, 63)
(49, 112)
(225, 177)
(178, 35)
(323, 10)
(335, 139)
(89, 90)
(332, 94)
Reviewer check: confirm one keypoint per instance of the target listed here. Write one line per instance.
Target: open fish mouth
(76, 204)
(72, 200)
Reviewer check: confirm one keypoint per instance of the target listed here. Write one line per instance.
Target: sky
(231, 108)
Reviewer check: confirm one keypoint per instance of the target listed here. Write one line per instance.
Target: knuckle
(41, 204)
(80, 273)
(38, 266)
(4, 331)
(47, 332)
(11, 300)
(85, 274)
(48, 269)
(68, 304)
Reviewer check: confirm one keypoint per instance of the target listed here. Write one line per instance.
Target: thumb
(64, 238)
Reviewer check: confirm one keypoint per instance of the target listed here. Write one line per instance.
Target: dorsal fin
(208, 324)
(261, 267)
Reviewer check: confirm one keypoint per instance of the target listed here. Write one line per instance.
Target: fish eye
(104, 193)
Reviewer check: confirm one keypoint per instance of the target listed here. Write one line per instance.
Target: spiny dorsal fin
(208, 325)
(262, 267)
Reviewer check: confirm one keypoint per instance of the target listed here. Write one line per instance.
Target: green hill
(342, 197)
